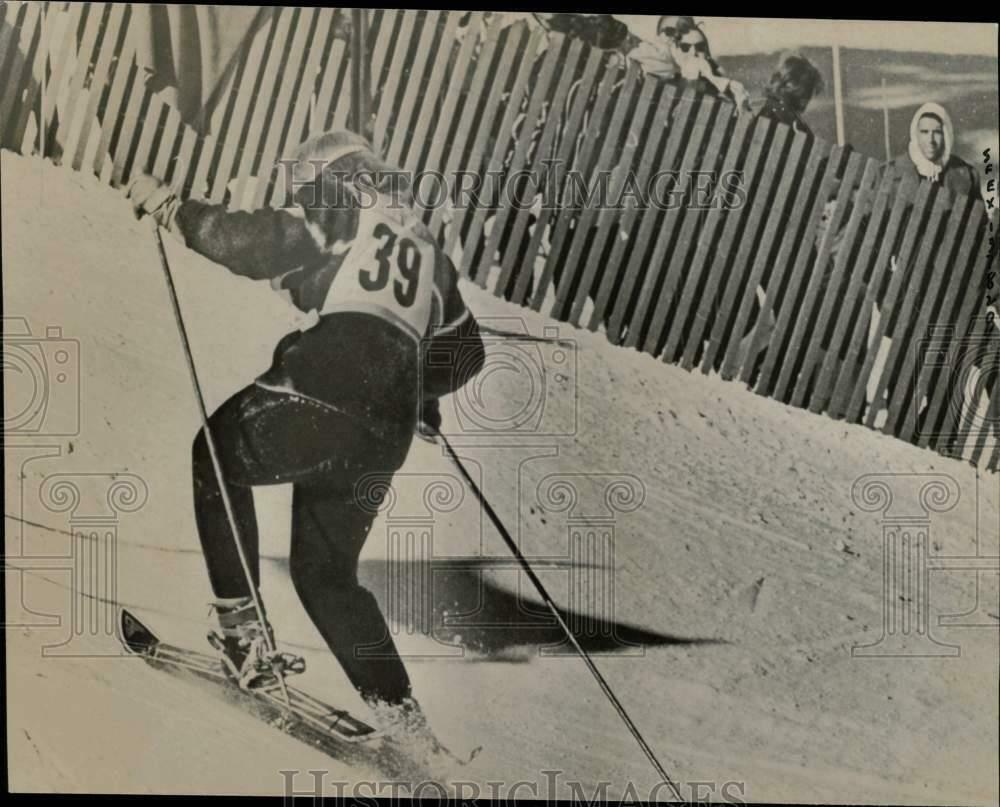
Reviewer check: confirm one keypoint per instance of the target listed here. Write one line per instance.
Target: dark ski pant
(265, 438)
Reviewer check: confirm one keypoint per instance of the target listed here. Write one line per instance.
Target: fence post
(360, 77)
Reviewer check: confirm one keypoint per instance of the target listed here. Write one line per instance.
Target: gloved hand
(150, 196)
(429, 420)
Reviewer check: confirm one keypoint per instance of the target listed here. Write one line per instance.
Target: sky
(736, 35)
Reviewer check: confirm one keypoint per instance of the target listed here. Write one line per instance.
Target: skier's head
(335, 168)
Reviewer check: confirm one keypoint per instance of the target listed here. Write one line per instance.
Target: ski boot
(243, 647)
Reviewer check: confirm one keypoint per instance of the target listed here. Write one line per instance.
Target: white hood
(925, 167)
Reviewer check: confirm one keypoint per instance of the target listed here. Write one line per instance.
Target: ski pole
(258, 603)
(521, 337)
(550, 604)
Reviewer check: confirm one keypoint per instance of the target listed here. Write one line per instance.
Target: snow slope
(742, 565)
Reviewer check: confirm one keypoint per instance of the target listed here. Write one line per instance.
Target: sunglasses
(699, 47)
(670, 33)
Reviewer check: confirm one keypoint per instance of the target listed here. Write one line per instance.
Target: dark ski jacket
(391, 328)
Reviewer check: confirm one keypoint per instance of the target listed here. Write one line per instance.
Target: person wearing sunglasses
(653, 56)
(696, 68)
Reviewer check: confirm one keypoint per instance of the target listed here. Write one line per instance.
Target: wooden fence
(806, 271)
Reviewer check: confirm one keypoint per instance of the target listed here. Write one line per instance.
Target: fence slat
(277, 128)
(518, 255)
(495, 162)
(457, 154)
(538, 93)
(913, 227)
(963, 325)
(137, 94)
(42, 47)
(302, 100)
(854, 303)
(665, 263)
(567, 212)
(172, 133)
(907, 273)
(113, 110)
(688, 119)
(427, 123)
(35, 80)
(992, 416)
(59, 58)
(413, 85)
(943, 259)
(712, 250)
(742, 268)
(638, 270)
(934, 379)
(15, 40)
(524, 265)
(110, 47)
(628, 222)
(19, 66)
(815, 269)
(389, 23)
(609, 218)
(334, 72)
(843, 386)
(732, 357)
(669, 316)
(968, 423)
(796, 231)
(777, 349)
(238, 122)
(176, 173)
(495, 166)
(584, 222)
(897, 318)
(150, 126)
(10, 13)
(84, 57)
(594, 236)
(387, 93)
(108, 102)
(445, 114)
(242, 196)
(858, 199)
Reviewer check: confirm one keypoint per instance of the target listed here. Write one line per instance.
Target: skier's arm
(259, 245)
(454, 352)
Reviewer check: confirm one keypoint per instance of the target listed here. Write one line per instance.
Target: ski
(305, 717)
(336, 732)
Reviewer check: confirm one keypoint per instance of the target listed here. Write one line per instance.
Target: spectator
(791, 88)
(696, 68)
(930, 153)
(654, 57)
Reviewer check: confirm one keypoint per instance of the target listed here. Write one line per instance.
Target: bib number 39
(401, 252)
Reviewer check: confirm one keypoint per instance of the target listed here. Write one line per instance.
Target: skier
(341, 399)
